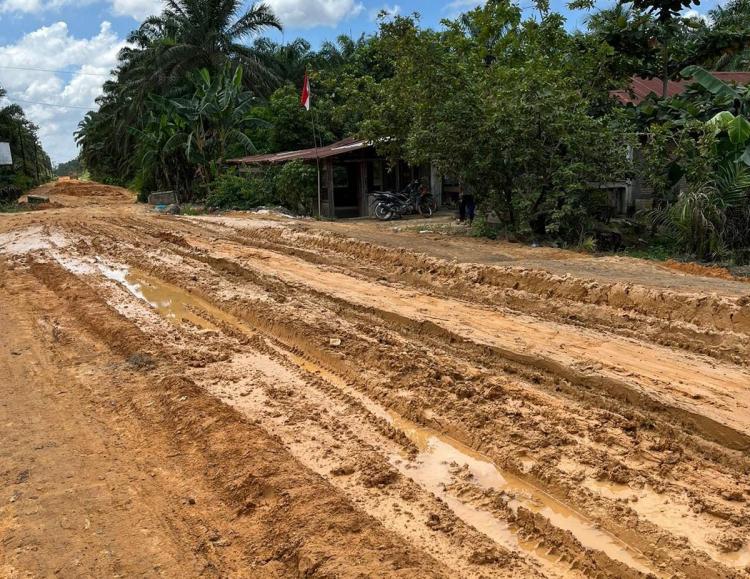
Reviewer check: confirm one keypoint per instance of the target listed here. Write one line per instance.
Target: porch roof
(339, 148)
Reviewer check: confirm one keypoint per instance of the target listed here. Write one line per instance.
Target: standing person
(466, 203)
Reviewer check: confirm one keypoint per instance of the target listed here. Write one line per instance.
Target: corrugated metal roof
(333, 150)
(641, 87)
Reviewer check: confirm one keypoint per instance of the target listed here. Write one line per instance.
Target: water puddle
(432, 469)
(673, 516)
(171, 302)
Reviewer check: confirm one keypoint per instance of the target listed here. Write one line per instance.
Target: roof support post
(329, 188)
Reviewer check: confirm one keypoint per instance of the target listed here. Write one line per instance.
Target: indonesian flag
(306, 95)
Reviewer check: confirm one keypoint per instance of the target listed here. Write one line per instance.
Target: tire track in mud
(618, 574)
(646, 389)
(285, 515)
(370, 327)
(708, 324)
(612, 380)
(486, 555)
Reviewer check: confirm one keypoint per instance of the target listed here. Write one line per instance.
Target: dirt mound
(703, 270)
(74, 188)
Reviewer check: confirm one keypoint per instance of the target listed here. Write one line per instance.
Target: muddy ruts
(296, 518)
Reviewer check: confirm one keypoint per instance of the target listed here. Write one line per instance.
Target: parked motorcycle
(388, 205)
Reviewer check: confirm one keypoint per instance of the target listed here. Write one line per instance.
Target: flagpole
(307, 103)
(317, 158)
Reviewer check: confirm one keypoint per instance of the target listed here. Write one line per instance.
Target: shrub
(9, 193)
(233, 192)
(296, 186)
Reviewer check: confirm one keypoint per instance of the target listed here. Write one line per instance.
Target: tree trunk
(665, 63)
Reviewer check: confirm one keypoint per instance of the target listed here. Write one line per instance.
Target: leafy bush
(481, 228)
(233, 192)
(296, 186)
(711, 218)
(9, 193)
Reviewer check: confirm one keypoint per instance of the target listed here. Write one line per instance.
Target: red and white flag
(306, 97)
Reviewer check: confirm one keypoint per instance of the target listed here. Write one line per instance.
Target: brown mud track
(258, 397)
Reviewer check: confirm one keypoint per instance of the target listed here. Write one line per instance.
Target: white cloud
(137, 9)
(312, 13)
(20, 6)
(462, 5)
(53, 48)
(388, 11)
(39, 6)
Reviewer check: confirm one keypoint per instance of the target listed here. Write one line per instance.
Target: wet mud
(482, 420)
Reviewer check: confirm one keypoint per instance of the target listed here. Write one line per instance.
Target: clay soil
(260, 396)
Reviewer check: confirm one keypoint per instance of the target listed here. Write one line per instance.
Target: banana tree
(731, 126)
(216, 119)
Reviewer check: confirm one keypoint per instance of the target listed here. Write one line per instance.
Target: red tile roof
(341, 147)
(640, 87)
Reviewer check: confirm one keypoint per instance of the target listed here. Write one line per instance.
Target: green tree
(194, 34)
(31, 165)
(186, 143)
(724, 42)
(697, 156)
(667, 14)
(498, 102)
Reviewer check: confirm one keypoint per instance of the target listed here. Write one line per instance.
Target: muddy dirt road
(250, 396)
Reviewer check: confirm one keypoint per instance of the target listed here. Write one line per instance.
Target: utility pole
(36, 163)
(23, 150)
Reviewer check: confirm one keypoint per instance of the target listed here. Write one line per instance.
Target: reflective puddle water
(432, 468)
(171, 302)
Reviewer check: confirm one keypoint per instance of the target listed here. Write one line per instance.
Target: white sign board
(5, 157)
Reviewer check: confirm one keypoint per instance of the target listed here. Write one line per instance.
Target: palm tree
(725, 43)
(193, 34)
(287, 62)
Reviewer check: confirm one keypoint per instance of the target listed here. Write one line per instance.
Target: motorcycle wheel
(383, 212)
(425, 207)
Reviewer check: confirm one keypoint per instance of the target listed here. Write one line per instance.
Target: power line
(10, 97)
(54, 71)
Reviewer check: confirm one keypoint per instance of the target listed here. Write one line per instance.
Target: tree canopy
(517, 108)
(31, 165)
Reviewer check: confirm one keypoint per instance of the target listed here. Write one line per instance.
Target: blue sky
(83, 37)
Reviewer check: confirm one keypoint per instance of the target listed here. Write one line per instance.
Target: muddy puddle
(171, 302)
(435, 465)
(434, 468)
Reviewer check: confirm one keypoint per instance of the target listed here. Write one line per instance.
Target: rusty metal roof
(641, 87)
(339, 148)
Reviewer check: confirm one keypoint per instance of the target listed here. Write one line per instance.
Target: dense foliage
(499, 103)
(69, 168)
(518, 109)
(292, 185)
(697, 155)
(31, 165)
(155, 77)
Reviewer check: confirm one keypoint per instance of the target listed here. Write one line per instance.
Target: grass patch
(652, 252)
(13, 207)
(192, 210)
